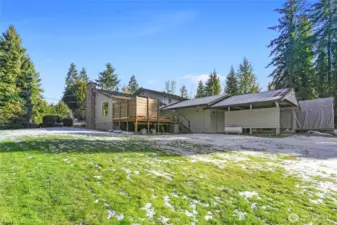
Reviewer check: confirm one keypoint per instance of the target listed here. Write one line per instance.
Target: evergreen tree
(247, 79)
(108, 79)
(83, 75)
(212, 86)
(75, 90)
(183, 92)
(133, 85)
(283, 47)
(170, 87)
(304, 55)
(231, 83)
(200, 90)
(30, 90)
(72, 75)
(61, 109)
(20, 83)
(324, 17)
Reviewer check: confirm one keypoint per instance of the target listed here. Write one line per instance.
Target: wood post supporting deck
(148, 115)
(136, 122)
(120, 114)
(158, 115)
(127, 115)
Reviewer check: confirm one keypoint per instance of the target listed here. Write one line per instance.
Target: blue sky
(156, 40)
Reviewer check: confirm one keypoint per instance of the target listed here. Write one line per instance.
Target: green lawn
(87, 180)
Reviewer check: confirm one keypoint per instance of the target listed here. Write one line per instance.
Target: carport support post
(278, 128)
(148, 115)
(250, 129)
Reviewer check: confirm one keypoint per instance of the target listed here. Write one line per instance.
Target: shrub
(51, 120)
(68, 122)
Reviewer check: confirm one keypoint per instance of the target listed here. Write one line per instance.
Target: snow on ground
(315, 155)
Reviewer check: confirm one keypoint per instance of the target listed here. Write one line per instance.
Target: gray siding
(255, 118)
(160, 97)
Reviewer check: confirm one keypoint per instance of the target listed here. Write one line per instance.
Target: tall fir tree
(231, 87)
(20, 84)
(31, 92)
(200, 90)
(11, 56)
(83, 75)
(283, 47)
(75, 90)
(108, 79)
(72, 75)
(304, 79)
(133, 85)
(247, 79)
(213, 86)
(324, 17)
(183, 92)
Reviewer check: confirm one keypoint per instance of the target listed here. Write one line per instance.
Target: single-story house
(99, 106)
(268, 111)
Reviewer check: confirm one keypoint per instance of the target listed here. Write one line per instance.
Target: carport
(269, 111)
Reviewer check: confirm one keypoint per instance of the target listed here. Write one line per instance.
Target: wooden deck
(130, 113)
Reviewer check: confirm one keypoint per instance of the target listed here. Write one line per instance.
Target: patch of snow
(164, 220)
(248, 194)
(209, 216)
(111, 213)
(167, 202)
(241, 215)
(149, 210)
(316, 201)
(161, 174)
(128, 171)
(98, 177)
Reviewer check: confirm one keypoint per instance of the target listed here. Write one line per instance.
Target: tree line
(75, 85)
(242, 81)
(304, 55)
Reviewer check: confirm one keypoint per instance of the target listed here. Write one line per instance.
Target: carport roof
(286, 94)
(197, 102)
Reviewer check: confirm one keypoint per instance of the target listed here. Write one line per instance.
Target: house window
(105, 108)
(170, 100)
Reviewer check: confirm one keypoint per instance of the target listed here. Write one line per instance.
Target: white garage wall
(255, 118)
(202, 121)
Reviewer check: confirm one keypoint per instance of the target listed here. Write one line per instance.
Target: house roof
(159, 93)
(287, 95)
(114, 94)
(197, 102)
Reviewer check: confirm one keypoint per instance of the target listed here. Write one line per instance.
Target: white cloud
(197, 78)
(202, 77)
(151, 81)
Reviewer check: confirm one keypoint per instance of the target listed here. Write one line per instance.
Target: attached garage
(201, 118)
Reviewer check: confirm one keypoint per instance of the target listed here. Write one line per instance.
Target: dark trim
(159, 93)
(191, 106)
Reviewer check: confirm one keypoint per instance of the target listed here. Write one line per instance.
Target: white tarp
(317, 114)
